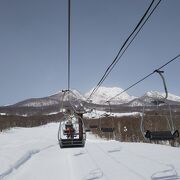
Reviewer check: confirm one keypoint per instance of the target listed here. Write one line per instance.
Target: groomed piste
(34, 153)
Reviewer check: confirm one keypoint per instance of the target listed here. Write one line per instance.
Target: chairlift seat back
(161, 135)
(93, 126)
(72, 143)
(107, 129)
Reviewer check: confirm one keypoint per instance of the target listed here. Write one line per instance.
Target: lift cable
(118, 56)
(128, 45)
(69, 42)
(145, 77)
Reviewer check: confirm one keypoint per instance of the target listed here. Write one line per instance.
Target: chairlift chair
(159, 104)
(161, 135)
(158, 114)
(94, 125)
(71, 134)
(107, 129)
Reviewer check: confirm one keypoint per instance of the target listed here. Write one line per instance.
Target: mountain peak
(160, 95)
(154, 95)
(105, 93)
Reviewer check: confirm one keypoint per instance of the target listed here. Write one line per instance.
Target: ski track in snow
(152, 160)
(23, 160)
(96, 173)
(169, 173)
(19, 163)
(119, 162)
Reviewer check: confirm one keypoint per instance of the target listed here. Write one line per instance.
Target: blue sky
(33, 46)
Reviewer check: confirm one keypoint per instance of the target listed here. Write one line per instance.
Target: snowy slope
(34, 154)
(105, 93)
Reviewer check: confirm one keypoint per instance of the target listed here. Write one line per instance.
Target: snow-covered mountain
(172, 97)
(103, 94)
(148, 97)
(72, 94)
(53, 103)
(100, 97)
(54, 99)
(160, 95)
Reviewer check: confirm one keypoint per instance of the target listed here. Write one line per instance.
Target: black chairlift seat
(107, 129)
(161, 135)
(72, 143)
(87, 130)
(93, 126)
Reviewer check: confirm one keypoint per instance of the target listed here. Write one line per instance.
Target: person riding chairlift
(69, 129)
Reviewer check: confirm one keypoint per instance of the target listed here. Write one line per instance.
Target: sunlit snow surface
(3, 114)
(34, 154)
(97, 114)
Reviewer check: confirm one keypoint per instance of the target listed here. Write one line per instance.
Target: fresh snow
(3, 114)
(52, 113)
(34, 154)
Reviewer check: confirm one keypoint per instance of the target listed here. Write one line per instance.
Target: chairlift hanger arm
(164, 82)
(65, 90)
(110, 110)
